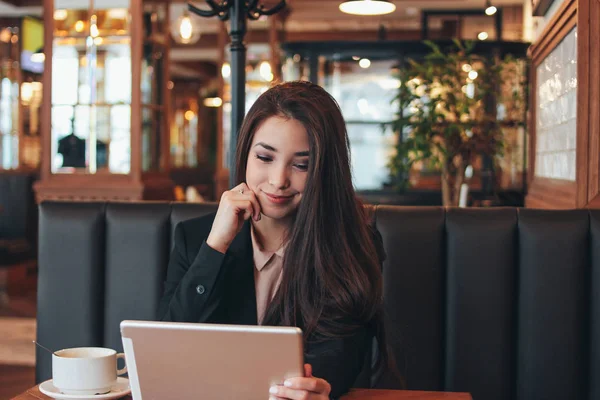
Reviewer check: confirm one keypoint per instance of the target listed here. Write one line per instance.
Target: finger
(244, 206)
(312, 384)
(242, 186)
(243, 191)
(255, 204)
(283, 393)
(308, 370)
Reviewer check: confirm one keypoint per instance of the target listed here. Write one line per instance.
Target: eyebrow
(271, 148)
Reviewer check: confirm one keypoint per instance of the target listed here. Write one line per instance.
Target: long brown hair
(331, 280)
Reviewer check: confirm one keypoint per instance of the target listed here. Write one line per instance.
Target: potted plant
(447, 115)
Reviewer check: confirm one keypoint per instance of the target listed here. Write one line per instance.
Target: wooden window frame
(585, 190)
(548, 192)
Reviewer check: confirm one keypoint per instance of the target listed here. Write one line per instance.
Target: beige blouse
(267, 275)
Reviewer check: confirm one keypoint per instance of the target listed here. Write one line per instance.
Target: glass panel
(71, 19)
(370, 152)
(120, 142)
(152, 74)
(556, 114)
(91, 100)
(365, 98)
(151, 141)
(184, 139)
(9, 116)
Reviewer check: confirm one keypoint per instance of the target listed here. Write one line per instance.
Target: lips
(279, 199)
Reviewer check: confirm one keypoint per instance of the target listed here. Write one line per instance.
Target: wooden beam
(205, 70)
(209, 40)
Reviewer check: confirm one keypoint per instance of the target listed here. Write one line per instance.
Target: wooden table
(358, 394)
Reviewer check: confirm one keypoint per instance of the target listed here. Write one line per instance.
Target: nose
(279, 177)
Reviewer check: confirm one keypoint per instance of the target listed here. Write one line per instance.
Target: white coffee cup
(85, 370)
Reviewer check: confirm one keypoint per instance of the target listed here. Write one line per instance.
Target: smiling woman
(289, 245)
(276, 170)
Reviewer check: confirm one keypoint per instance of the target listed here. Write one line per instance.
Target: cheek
(299, 182)
(254, 173)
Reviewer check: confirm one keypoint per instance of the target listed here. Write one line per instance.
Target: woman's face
(278, 166)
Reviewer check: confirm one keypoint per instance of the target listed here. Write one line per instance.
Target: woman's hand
(236, 206)
(307, 388)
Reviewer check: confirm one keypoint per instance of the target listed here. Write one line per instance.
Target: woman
(289, 245)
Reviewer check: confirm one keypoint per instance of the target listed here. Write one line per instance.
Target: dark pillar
(238, 80)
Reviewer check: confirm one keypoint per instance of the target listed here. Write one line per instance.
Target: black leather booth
(501, 303)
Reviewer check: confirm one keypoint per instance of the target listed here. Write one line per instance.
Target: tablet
(171, 360)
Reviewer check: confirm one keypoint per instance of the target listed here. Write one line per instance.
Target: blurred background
(470, 104)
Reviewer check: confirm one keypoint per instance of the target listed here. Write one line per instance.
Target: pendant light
(489, 8)
(367, 7)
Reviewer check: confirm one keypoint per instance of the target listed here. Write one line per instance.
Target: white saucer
(120, 389)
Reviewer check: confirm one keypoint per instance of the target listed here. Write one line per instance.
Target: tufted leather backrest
(502, 303)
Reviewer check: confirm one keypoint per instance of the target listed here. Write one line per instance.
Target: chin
(277, 213)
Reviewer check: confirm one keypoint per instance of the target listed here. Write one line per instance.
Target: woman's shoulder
(195, 228)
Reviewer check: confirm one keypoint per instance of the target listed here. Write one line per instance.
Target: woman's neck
(271, 233)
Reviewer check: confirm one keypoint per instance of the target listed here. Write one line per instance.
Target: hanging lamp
(367, 7)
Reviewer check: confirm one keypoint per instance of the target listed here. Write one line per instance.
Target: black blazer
(204, 285)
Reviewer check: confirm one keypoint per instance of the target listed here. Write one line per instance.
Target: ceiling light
(367, 7)
(482, 35)
(489, 8)
(364, 63)
(186, 29)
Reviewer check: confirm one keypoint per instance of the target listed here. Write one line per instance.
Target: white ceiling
(8, 10)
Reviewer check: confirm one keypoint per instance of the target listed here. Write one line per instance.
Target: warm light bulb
(213, 102)
(226, 70)
(482, 36)
(265, 71)
(473, 75)
(94, 31)
(364, 63)
(79, 25)
(60, 15)
(189, 115)
(467, 67)
(491, 10)
(26, 92)
(185, 28)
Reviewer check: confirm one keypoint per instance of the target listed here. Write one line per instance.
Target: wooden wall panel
(545, 192)
(585, 192)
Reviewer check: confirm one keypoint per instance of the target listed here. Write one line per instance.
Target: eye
(302, 166)
(264, 159)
